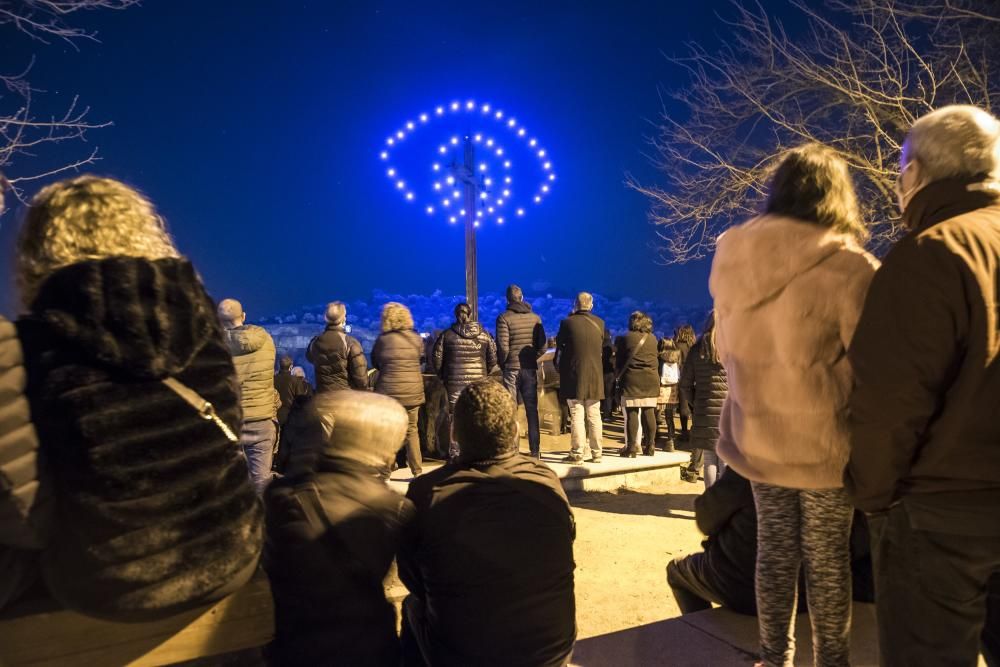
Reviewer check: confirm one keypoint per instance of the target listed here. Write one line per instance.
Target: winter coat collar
(336, 327)
(755, 261)
(519, 307)
(468, 329)
(146, 318)
(949, 198)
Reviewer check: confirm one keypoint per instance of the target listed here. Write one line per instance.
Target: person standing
(924, 431)
(397, 355)
(685, 338)
(290, 387)
(253, 356)
(337, 356)
(704, 382)
(789, 286)
(640, 383)
(581, 376)
(670, 376)
(520, 342)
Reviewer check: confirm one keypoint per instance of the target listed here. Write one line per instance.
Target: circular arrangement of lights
(489, 178)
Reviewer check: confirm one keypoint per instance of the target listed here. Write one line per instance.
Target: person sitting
(488, 558)
(723, 573)
(333, 530)
(135, 401)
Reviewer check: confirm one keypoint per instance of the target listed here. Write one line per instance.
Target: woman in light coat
(788, 288)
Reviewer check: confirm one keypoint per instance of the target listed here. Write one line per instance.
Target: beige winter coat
(788, 295)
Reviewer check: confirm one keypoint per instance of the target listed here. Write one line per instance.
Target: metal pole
(471, 277)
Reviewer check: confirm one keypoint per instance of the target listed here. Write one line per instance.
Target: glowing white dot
(400, 184)
(541, 153)
(547, 165)
(439, 111)
(478, 137)
(538, 199)
(450, 180)
(506, 164)
(384, 155)
(410, 125)
(446, 203)
(390, 141)
(521, 132)
(484, 195)
(486, 108)
(499, 221)
(552, 177)
(479, 214)
(489, 209)
(499, 152)
(520, 211)
(409, 196)
(511, 123)
(400, 134)
(545, 188)
(489, 181)
(442, 149)
(470, 105)
(456, 194)
(506, 179)
(462, 212)
(454, 141)
(454, 106)
(451, 219)
(482, 166)
(532, 142)
(499, 114)
(499, 202)
(437, 186)
(506, 193)
(430, 210)
(489, 142)
(436, 167)
(390, 172)
(423, 118)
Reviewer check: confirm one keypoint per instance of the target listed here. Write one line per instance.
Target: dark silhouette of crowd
(155, 451)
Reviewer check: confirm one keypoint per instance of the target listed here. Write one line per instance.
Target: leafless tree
(854, 77)
(25, 131)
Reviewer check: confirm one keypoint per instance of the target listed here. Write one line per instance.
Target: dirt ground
(624, 541)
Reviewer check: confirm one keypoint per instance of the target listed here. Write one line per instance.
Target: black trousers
(648, 427)
(930, 590)
(695, 587)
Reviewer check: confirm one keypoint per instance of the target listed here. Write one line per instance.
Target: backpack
(670, 373)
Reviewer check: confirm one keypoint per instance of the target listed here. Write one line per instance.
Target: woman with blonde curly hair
(788, 287)
(136, 404)
(397, 355)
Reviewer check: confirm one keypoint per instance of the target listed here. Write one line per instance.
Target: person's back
(580, 347)
(338, 358)
(397, 355)
(289, 387)
(520, 337)
(489, 557)
(463, 354)
(333, 530)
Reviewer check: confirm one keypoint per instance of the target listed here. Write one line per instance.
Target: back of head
(463, 313)
(957, 141)
(231, 313)
(396, 317)
(86, 218)
(336, 313)
(485, 423)
(514, 294)
(360, 425)
(584, 302)
(285, 363)
(812, 184)
(298, 371)
(641, 322)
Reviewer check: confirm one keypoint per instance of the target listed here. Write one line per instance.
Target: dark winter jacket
(397, 356)
(463, 354)
(579, 357)
(923, 414)
(520, 337)
(496, 586)
(339, 360)
(290, 388)
(331, 537)
(25, 498)
(683, 406)
(704, 385)
(253, 356)
(637, 365)
(155, 512)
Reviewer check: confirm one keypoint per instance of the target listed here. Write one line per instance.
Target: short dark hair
(285, 363)
(463, 313)
(641, 322)
(485, 421)
(514, 294)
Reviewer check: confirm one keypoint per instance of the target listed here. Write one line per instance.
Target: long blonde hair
(396, 317)
(87, 217)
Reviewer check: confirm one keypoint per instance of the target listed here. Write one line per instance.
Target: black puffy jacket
(463, 354)
(704, 384)
(339, 360)
(520, 337)
(397, 356)
(637, 365)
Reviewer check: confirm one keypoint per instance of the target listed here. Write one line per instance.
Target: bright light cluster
(491, 174)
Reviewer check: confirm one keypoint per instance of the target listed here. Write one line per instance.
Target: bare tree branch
(855, 78)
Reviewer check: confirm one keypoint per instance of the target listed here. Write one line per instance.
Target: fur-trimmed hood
(148, 319)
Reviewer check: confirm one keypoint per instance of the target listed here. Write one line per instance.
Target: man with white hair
(925, 435)
(253, 356)
(580, 360)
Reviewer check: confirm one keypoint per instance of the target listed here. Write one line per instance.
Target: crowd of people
(151, 457)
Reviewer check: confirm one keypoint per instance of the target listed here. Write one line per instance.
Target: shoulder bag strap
(205, 409)
(631, 356)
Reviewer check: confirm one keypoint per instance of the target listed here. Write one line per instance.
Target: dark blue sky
(255, 127)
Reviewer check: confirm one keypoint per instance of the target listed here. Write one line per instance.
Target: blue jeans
(257, 440)
(524, 381)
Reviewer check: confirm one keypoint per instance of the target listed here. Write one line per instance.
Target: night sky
(256, 129)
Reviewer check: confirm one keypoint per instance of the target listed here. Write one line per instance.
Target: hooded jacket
(154, 511)
(397, 356)
(924, 423)
(463, 354)
(339, 360)
(788, 295)
(520, 337)
(705, 386)
(253, 356)
(25, 498)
